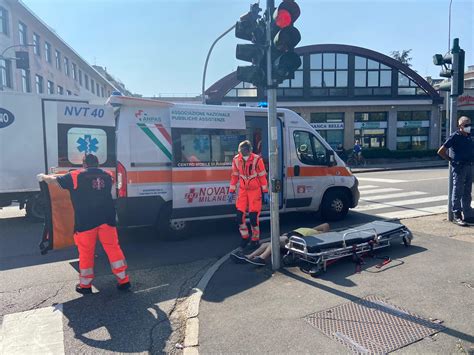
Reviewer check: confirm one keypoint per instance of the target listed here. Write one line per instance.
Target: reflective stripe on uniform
(117, 264)
(232, 187)
(262, 173)
(86, 281)
(86, 272)
(121, 275)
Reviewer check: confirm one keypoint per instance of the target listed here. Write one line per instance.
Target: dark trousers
(462, 188)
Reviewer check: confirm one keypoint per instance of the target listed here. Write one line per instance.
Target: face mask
(467, 129)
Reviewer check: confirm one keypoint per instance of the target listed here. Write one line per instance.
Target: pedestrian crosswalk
(396, 202)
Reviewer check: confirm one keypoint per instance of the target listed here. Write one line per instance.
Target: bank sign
(327, 126)
(370, 125)
(413, 124)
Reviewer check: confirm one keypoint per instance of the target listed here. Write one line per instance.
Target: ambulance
(173, 163)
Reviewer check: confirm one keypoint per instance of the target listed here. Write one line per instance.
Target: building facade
(54, 67)
(350, 93)
(469, 77)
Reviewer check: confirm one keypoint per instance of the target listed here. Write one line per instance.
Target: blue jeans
(462, 188)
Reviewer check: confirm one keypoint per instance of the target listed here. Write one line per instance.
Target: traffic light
(448, 61)
(22, 59)
(285, 38)
(251, 27)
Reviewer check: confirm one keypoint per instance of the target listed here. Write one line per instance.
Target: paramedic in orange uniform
(248, 170)
(94, 217)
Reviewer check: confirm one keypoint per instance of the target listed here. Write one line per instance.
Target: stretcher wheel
(289, 260)
(315, 271)
(407, 241)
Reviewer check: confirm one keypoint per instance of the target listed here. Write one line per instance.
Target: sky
(159, 46)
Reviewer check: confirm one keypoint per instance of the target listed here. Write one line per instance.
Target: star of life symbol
(191, 195)
(98, 184)
(87, 144)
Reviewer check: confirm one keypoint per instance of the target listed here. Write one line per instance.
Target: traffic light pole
(273, 147)
(453, 112)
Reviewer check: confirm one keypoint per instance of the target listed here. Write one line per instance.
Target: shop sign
(413, 124)
(326, 126)
(466, 101)
(370, 125)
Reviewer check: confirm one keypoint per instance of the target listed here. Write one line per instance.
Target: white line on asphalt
(401, 203)
(400, 194)
(425, 211)
(151, 288)
(39, 331)
(364, 187)
(376, 191)
(388, 181)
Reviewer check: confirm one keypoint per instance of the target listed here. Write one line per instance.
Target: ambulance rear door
(205, 140)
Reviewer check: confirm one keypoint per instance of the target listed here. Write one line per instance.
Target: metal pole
(273, 148)
(203, 94)
(449, 24)
(453, 110)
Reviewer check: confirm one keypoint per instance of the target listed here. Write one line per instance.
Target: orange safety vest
(250, 174)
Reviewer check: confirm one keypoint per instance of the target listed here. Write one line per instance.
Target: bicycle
(354, 161)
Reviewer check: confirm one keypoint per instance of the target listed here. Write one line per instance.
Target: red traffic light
(286, 14)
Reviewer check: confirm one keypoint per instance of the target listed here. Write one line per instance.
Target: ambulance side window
(309, 149)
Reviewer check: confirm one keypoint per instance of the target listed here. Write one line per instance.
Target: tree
(402, 56)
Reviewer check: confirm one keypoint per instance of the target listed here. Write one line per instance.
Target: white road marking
(400, 194)
(364, 187)
(388, 181)
(428, 179)
(376, 191)
(401, 203)
(39, 331)
(425, 211)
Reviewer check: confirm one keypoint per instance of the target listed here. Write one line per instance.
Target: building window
(86, 80)
(292, 87)
(25, 80)
(58, 59)
(68, 93)
(3, 20)
(93, 86)
(23, 33)
(371, 77)
(102, 91)
(329, 70)
(47, 52)
(243, 90)
(330, 126)
(50, 87)
(97, 89)
(5, 74)
(371, 129)
(406, 86)
(39, 84)
(413, 130)
(37, 44)
(66, 66)
(74, 71)
(60, 90)
(80, 77)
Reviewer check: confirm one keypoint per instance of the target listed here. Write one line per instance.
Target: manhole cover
(372, 325)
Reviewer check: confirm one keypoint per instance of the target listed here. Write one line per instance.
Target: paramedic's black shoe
(238, 257)
(244, 243)
(257, 261)
(83, 290)
(124, 287)
(459, 221)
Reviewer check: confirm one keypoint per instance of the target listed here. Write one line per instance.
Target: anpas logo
(207, 194)
(143, 116)
(6, 118)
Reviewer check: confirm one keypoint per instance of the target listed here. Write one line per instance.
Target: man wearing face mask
(249, 171)
(461, 145)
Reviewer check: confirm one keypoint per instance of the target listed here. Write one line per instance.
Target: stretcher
(325, 248)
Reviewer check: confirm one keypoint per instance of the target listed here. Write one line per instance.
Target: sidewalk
(399, 165)
(249, 310)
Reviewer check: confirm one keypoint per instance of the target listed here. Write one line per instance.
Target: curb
(191, 333)
(371, 170)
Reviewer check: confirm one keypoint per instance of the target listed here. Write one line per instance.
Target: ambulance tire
(170, 231)
(35, 208)
(335, 205)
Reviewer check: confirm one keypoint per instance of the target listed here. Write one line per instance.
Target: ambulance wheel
(335, 205)
(168, 229)
(35, 208)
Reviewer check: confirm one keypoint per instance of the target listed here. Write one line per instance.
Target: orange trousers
(108, 237)
(251, 201)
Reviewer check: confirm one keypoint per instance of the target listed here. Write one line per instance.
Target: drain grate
(372, 326)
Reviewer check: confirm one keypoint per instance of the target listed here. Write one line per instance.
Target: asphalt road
(149, 318)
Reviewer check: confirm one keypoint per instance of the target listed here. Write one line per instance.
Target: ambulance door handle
(296, 170)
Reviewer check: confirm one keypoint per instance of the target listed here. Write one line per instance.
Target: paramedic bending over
(94, 217)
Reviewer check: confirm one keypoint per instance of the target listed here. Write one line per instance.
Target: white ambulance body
(44, 133)
(174, 163)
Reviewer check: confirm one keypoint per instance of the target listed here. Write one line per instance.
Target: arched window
(371, 77)
(406, 86)
(243, 90)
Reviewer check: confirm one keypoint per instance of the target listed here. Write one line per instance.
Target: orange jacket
(250, 174)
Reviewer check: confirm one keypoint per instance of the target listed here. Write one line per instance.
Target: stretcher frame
(297, 248)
